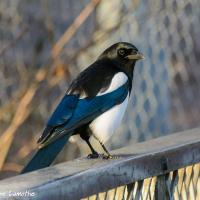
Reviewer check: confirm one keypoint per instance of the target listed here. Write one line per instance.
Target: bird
(93, 105)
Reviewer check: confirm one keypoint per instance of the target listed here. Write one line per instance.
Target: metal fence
(166, 168)
(72, 33)
(179, 184)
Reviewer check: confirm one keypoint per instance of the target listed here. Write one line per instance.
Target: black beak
(137, 56)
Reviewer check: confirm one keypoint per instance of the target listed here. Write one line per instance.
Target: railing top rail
(83, 177)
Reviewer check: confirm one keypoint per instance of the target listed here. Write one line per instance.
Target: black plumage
(96, 78)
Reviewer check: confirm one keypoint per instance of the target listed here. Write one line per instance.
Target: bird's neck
(127, 68)
(130, 68)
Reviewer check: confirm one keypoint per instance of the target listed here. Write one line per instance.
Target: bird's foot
(111, 157)
(93, 156)
(97, 155)
(103, 156)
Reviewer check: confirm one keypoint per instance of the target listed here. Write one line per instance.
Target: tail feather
(46, 155)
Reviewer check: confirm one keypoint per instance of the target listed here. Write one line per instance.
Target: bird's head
(123, 54)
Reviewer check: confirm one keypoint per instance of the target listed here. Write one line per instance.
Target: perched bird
(93, 105)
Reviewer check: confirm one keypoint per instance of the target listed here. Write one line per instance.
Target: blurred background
(45, 44)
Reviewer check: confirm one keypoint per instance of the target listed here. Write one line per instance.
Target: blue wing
(60, 116)
(73, 112)
(64, 110)
(89, 108)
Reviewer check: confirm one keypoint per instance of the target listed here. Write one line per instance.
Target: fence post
(161, 190)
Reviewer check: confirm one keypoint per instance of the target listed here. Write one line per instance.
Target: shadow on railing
(163, 168)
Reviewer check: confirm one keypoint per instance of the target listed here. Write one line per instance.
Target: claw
(93, 156)
(111, 157)
(103, 156)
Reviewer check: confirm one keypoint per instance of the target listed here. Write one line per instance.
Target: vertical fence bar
(161, 192)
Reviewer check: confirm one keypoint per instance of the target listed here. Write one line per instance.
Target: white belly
(104, 126)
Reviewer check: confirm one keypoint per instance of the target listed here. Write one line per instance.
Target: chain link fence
(44, 44)
(179, 184)
(164, 98)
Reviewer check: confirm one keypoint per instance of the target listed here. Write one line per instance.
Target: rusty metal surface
(81, 178)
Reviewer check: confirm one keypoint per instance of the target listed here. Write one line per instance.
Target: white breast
(118, 80)
(104, 126)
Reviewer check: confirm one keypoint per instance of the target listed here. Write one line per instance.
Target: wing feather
(60, 116)
(88, 109)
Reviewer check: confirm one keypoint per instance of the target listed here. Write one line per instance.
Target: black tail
(46, 155)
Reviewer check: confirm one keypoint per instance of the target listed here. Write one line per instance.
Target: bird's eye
(134, 51)
(121, 52)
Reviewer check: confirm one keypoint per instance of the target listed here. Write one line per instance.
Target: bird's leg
(85, 135)
(109, 156)
(104, 148)
(94, 153)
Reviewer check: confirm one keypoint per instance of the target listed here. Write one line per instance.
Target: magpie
(93, 105)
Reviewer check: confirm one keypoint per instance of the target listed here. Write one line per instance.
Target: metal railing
(163, 168)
